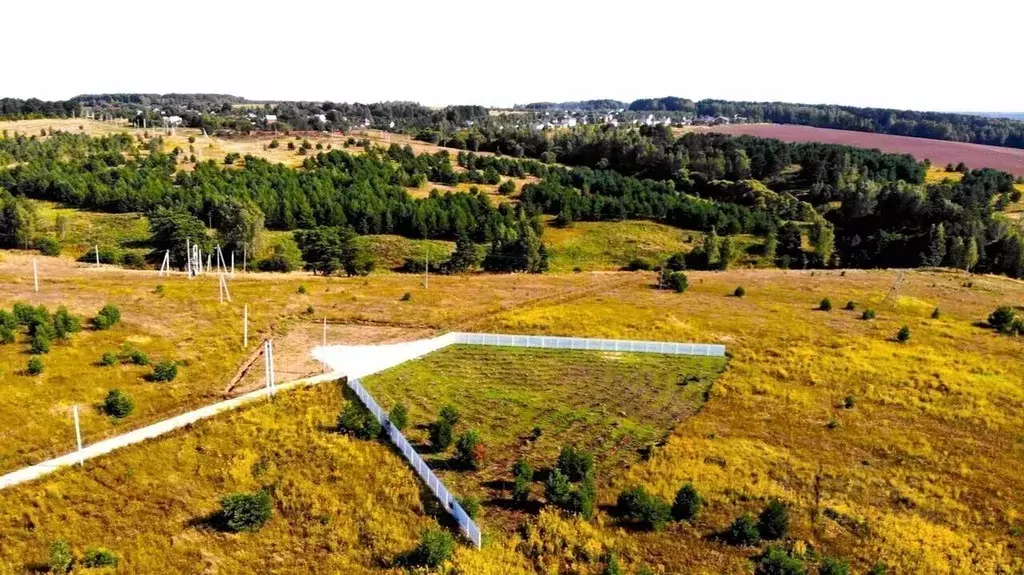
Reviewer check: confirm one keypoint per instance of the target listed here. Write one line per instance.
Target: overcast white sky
(933, 55)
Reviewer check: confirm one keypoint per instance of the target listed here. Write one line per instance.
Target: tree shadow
(214, 521)
(530, 506)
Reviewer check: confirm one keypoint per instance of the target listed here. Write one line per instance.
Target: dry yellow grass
(938, 174)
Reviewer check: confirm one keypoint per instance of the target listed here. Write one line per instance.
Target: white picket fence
(437, 487)
(583, 343)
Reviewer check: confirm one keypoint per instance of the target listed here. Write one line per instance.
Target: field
(938, 151)
(917, 468)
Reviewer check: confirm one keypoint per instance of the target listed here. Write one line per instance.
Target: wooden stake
(78, 436)
(35, 274)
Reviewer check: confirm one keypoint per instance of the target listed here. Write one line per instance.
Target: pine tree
(712, 248)
(937, 245)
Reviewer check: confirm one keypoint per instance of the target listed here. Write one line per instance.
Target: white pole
(188, 258)
(232, 263)
(245, 327)
(266, 366)
(325, 330)
(97, 255)
(273, 380)
(78, 435)
(35, 274)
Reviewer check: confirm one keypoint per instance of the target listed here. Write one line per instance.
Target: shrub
(358, 421)
(65, 324)
(61, 557)
(108, 358)
(48, 246)
(399, 416)
(849, 402)
(133, 260)
(302, 289)
(440, 435)
(310, 310)
(1001, 319)
(879, 568)
(936, 313)
(507, 187)
(676, 262)
(832, 566)
(406, 297)
(40, 343)
(773, 523)
(165, 371)
(637, 505)
(850, 305)
(743, 531)
(136, 356)
(825, 305)
(581, 499)
(576, 464)
(6, 334)
(450, 413)
(523, 474)
(435, 547)
(274, 144)
(612, 566)
(24, 314)
(638, 265)
(868, 314)
(686, 506)
(777, 561)
(677, 281)
(471, 505)
(903, 334)
(7, 319)
(557, 488)
(739, 292)
(118, 404)
(536, 433)
(35, 366)
(99, 558)
(469, 451)
(107, 317)
(246, 511)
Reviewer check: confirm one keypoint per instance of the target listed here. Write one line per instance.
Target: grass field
(612, 404)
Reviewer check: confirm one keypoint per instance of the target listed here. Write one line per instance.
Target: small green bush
(118, 404)
(677, 281)
(246, 511)
(638, 265)
(557, 488)
(743, 531)
(435, 547)
(903, 334)
(133, 260)
(686, 506)
(638, 506)
(358, 421)
(48, 246)
(469, 451)
(831, 566)
(849, 402)
(773, 523)
(441, 435)
(7, 319)
(825, 305)
(406, 297)
(676, 262)
(65, 324)
(850, 305)
(450, 413)
(302, 289)
(399, 416)
(40, 343)
(6, 334)
(576, 464)
(136, 356)
(35, 366)
(107, 317)
(159, 289)
(936, 313)
(164, 371)
(523, 474)
(310, 310)
(108, 358)
(777, 561)
(612, 566)
(61, 557)
(868, 314)
(1000, 320)
(739, 292)
(471, 505)
(99, 557)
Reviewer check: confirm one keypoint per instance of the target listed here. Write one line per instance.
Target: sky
(934, 55)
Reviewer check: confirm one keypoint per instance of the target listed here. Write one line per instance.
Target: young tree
(465, 256)
(246, 511)
(823, 239)
(936, 245)
(686, 506)
(469, 451)
(971, 257)
(773, 522)
(170, 229)
(240, 224)
(399, 416)
(712, 248)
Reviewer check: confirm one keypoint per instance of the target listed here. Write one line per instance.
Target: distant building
(172, 120)
(322, 118)
(270, 119)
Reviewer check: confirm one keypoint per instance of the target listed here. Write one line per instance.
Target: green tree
(823, 238)
(773, 522)
(435, 547)
(399, 416)
(727, 253)
(777, 561)
(957, 253)
(35, 365)
(118, 404)
(246, 511)
(469, 451)
(743, 531)
(832, 566)
(61, 557)
(712, 249)
(240, 225)
(576, 464)
(677, 281)
(170, 229)
(971, 256)
(327, 250)
(441, 435)
(465, 256)
(17, 221)
(687, 504)
(936, 245)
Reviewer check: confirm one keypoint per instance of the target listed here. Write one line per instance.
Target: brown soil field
(940, 152)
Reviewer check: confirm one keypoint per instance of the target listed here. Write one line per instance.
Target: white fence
(582, 343)
(468, 526)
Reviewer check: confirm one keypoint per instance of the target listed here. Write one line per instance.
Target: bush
(118, 404)
(302, 289)
(107, 317)
(686, 506)
(469, 451)
(274, 144)
(133, 260)
(739, 292)
(576, 464)
(136, 356)
(35, 366)
(557, 488)
(903, 334)
(435, 547)
(7, 319)
(6, 334)
(1001, 319)
(48, 246)
(581, 499)
(850, 305)
(507, 187)
(832, 566)
(523, 474)
(849, 402)
(108, 358)
(406, 297)
(65, 324)
(612, 566)
(40, 343)
(638, 265)
(637, 505)
(358, 421)
(936, 313)
(879, 568)
(677, 281)
(61, 557)
(825, 305)
(100, 558)
(676, 262)
(471, 505)
(246, 511)
(450, 413)
(743, 531)
(399, 416)
(868, 314)
(773, 523)
(164, 371)
(440, 435)
(776, 561)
